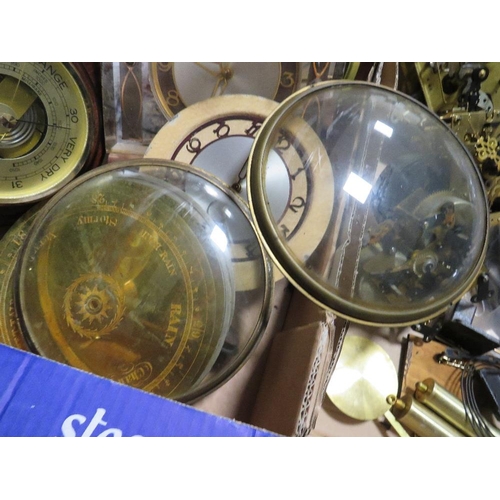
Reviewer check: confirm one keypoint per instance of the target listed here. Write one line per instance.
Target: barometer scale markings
(53, 130)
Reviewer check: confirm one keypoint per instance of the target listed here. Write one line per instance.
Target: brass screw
(391, 399)
(420, 386)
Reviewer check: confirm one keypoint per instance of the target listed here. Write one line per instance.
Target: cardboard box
(281, 387)
(39, 397)
(288, 400)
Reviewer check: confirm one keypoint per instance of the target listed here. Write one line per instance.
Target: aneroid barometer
(129, 272)
(48, 128)
(400, 230)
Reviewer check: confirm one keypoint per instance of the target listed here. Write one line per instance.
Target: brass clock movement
(467, 97)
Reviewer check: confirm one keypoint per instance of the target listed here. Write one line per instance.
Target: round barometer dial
(177, 85)
(406, 235)
(47, 129)
(126, 275)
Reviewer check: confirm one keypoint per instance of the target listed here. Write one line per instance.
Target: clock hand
(226, 73)
(319, 69)
(220, 80)
(208, 70)
(242, 174)
(44, 124)
(226, 81)
(225, 68)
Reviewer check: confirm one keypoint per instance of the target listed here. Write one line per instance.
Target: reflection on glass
(383, 128)
(356, 186)
(219, 238)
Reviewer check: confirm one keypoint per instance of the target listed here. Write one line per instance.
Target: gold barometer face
(44, 129)
(401, 234)
(124, 274)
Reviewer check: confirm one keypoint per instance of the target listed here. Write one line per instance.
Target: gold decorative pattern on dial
(94, 305)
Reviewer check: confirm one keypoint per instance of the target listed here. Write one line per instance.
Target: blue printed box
(39, 397)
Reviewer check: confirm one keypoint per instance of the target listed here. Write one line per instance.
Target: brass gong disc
(126, 275)
(363, 378)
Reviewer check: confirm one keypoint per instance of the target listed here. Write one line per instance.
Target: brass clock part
(363, 378)
(50, 128)
(177, 85)
(460, 87)
(216, 135)
(466, 96)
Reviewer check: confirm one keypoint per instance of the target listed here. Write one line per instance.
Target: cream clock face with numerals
(216, 135)
(177, 85)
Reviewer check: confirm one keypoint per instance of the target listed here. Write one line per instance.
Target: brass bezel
(294, 270)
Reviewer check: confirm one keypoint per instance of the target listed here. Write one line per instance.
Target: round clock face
(177, 85)
(145, 294)
(45, 131)
(216, 135)
(406, 235)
